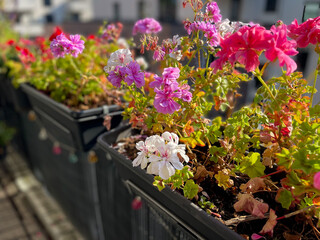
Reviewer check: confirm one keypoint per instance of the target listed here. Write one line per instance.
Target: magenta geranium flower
(164, 100)
(316, 180)
(146, 25)
(209, 29)
(306, 33)
(281, 48)
(171, 73)
(134, 74)
(61, 45)
(76, 45)
(213, 12)
(244, 46)
(117, 75)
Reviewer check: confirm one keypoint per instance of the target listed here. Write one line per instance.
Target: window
(49, 18)
(47, 2)
(116, 11)
(167, 10)
(311, 10)
(235, 9)
(141, 9)
(301, 60)
(74, 17)
(271, 5)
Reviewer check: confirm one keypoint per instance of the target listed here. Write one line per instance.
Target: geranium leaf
(252, 165)
(190, 190)
(285, 198)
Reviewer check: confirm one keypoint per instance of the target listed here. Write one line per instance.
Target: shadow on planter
(77, 129)
(176, 216)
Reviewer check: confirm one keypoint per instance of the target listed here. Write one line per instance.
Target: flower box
(173, 205)
(77, 129)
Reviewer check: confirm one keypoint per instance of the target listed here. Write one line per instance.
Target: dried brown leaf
(202, 173)
(253, 185)
(247, 203)
(270, 224)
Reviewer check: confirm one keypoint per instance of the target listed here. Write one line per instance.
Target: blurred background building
(39, 17)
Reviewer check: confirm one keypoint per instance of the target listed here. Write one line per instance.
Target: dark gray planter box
(173, 213)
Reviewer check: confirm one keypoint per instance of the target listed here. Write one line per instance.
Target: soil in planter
(298, 227)
(91, 100)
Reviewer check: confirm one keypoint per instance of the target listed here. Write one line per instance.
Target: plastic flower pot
(168, 204)
(77, 129)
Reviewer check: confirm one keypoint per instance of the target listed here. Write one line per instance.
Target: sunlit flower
(161, 153)
(121, 57)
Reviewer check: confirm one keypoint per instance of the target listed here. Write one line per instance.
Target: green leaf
(252, 165)
(191, 189)
(285, 198)
(158, 182)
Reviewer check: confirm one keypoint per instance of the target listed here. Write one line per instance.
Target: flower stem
(314, 81)
(266, 86)
(73, 64)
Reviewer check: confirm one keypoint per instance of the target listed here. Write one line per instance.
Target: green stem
(314, 81)
(266, 86)
(73, 64)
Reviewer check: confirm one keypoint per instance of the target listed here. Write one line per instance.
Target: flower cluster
(305, 33)
(167, 89)
(146, 25)
(112, 31)
(161, 155)
(61, 45)
(246, 45)
(121, 67)
(169, 47)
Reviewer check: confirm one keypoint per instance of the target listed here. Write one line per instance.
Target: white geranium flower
(176, 40)
(176, 55)
(120, 57)
(142, 62)
(162, 154)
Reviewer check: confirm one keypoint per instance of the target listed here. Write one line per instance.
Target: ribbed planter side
(72, 184)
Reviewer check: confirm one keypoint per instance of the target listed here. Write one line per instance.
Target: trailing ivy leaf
(252, 165)
(285, 198)
(191, 189)
(223, 179)
(158, 182)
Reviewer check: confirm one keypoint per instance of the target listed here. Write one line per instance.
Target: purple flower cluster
(209, 29)
(213, 12)
(61, 45)
(167, 89)
(146, 25)
(129, 74)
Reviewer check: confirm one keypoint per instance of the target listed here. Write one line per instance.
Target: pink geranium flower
(146, 25)
(316, 180)
(117, 75)
(281, 48)
(306, 33)
(61, 45)
(213, 12)
(134, 74)
(164, 100)
(243, 46)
